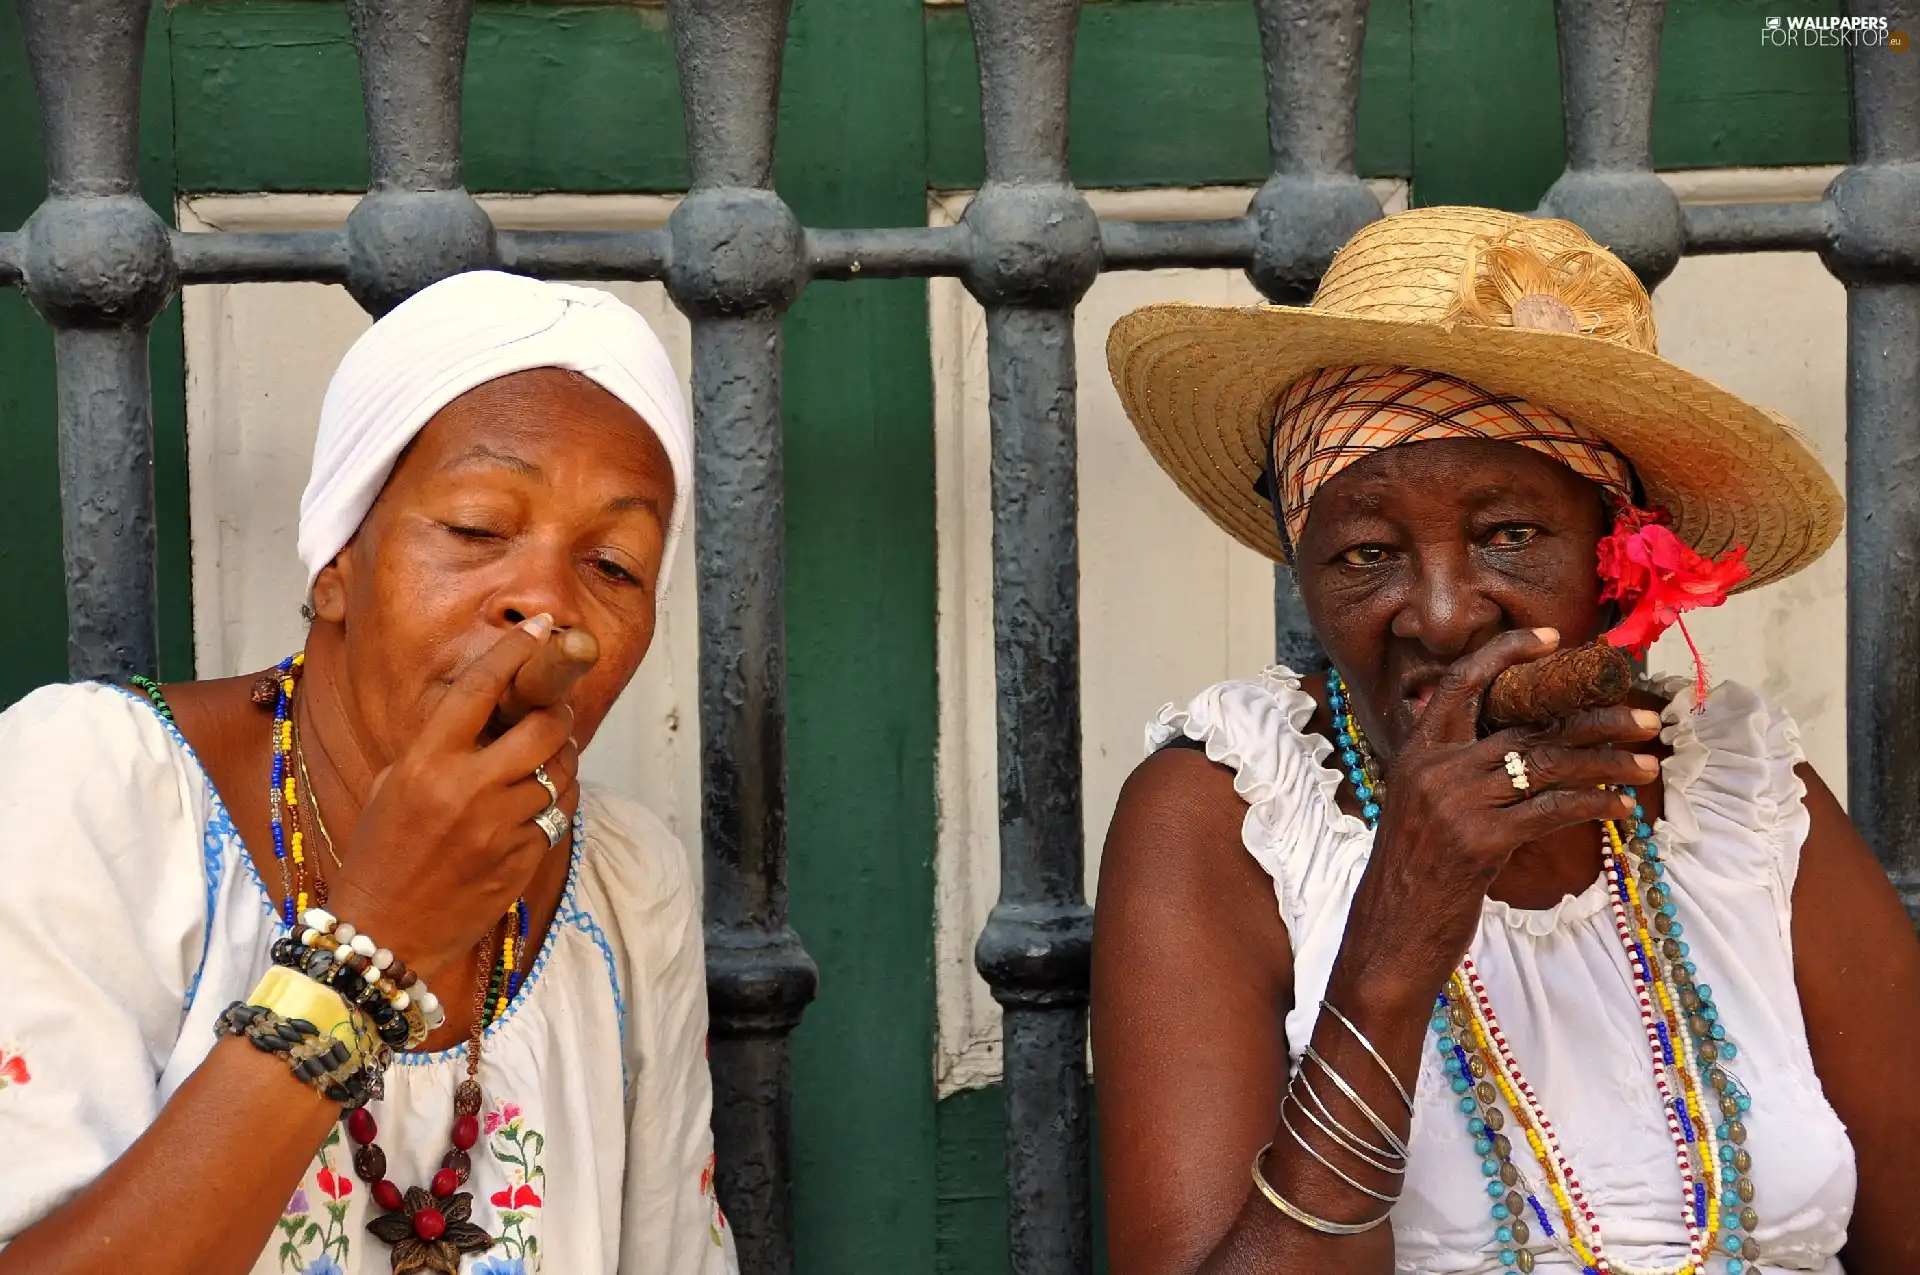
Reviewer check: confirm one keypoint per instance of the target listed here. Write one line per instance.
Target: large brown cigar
(1565, 682)
(544, 680)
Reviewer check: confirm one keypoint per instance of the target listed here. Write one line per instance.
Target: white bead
(341, 953)
(429, 1003)
(382, 958)
(307, 937)
(401, 999)
(345, 932)
(363, 945)
(319, 918)
(371, 974)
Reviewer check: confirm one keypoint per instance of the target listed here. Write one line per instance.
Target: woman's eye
(470, 533)
(1511, 537)
(1364, 556)
(614, 571)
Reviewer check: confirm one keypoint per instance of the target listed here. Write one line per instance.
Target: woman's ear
(330, 592)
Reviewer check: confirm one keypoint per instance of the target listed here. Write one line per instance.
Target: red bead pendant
(387, 1195)
(360, 1126)
(466, 1132)
(429, 1224)
(445, 1183)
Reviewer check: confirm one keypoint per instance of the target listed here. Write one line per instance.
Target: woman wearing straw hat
(1623, 992)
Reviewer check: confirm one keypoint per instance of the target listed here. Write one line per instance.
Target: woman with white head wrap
(339, 969)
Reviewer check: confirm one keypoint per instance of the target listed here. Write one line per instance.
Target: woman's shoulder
(100, 740)
(1731, 780)
(632, 862)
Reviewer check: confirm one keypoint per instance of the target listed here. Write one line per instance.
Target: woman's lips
(1418, 700)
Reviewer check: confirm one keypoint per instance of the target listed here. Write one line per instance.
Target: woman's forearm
(1263, 1239)
(199, 1192)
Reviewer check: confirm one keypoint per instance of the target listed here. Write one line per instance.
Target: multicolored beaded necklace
(427, 1227)
(1688, 1049)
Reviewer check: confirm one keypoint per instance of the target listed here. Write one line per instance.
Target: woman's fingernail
(1549, 636)
(1648, 765)
(540, 625)
(1646, 719)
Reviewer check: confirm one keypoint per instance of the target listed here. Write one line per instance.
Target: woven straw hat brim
(1200, 384)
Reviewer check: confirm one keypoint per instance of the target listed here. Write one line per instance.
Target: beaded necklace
(1687, 1047)
(427, 1227)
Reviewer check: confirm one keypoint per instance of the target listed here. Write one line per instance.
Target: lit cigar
(546, 679)
(1591, 676)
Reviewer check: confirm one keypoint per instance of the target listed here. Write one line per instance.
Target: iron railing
(98, 264)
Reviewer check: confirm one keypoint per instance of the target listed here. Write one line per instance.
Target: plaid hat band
(1331, 418)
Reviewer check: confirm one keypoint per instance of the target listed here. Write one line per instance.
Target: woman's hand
(448, 841)
(1452, 817)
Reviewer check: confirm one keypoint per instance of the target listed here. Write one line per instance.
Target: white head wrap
(460, 333)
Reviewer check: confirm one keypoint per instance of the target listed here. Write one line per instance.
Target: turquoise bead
(1371, 810)
(1483, 1145)
(1709, 1013)
(1735, 1266)
(1467, 1104)
(1497, 1189)
(1726, 1148)
(1445, 1046)
(1350, 757)
(1705, 990)
(1477, 1126)
(1504, 1234)
(1641, 830)
(1489, 1167)
(1729, 1051)
(1676, 930)
(1690, 968)
(1461, 1084)
(1729, 1174)
(1723, 1131)
(1669, 908)
(1508, 1257)
(1730, 1200)
(1501, 1213)
(1440, 1024)
(1683, 946)
(1719, 1032)
(1733, 1243)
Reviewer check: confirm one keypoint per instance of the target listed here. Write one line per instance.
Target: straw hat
(1517, 305)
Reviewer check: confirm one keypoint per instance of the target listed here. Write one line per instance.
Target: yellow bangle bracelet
(291, 994)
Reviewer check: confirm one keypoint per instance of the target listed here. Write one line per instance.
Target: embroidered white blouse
(131, 916)
(1731, 835)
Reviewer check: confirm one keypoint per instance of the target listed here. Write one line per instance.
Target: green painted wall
(880, 105)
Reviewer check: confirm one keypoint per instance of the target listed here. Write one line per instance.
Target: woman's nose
(1445, 611)
(538, 581)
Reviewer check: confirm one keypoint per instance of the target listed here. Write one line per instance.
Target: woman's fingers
(1454, 709)
(1556, 766)
(469, 703)
(1616, 724)
(1558, 808)
(534, 740)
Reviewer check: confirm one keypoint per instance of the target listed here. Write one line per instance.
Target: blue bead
(1467, 1104)
(1350, 757)
(1719, 1032)
(1371, 810)
(1726, 1148)
(1729, 1174)
(1508, 1257)
(1451, 1066)
(1483, 1145)
(1724, 1131)
(1461, 1084)
(1676, 930)
(1477, 1126)
(1735, 1266)
(1731, 1051)
(1440, 1024)
(1501, 1213)
(1489, 1168)
(1638, 813)
(1709, 1013)
(1690, 968)
(1503, 1234)
(1641, 830)
(1363, 792)
(1445, 1046)
(1683, 946)
(1705, 990)
(1497, 1189)
(1659, 868)
(1669, 908)
(1733, 1243)
(1730, 1200)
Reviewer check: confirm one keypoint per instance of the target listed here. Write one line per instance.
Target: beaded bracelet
(397, 1020)
(326, 1041)
(377, 965)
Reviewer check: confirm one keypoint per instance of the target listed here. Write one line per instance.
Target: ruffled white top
(1732, 832)
(132, 916)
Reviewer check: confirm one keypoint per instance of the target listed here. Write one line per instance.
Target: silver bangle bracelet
(1373, 1117)
(1340, 1137)
(1367, 1045)
(1328, 1165)
(1346, 1135)
(1299, 1214)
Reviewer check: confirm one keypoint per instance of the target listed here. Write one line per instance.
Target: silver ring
(540, 777)
(1517, 772)
(553, 821)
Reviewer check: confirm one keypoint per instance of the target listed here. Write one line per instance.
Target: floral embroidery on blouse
(297, 1253)
(717, 1223)
(13, 1069)
(517, 1149)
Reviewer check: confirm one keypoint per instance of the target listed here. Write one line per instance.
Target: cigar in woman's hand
(545, 680)
(1591, 676)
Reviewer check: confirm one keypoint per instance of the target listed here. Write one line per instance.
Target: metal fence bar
(737, 261)
(1875, 251)
(639, 255)
(1036, 251)
(96, 265)
(1797, 227)
(1312, 203)
(312, 256)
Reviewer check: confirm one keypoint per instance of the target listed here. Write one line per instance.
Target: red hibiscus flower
(508, 1113)
(13, 1070)
(334, 1185)
(1655, 578)
(519, 1197)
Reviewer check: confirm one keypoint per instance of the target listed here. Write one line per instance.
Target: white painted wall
(258, 360)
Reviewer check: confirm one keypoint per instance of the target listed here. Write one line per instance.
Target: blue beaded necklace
(1481, 1072)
